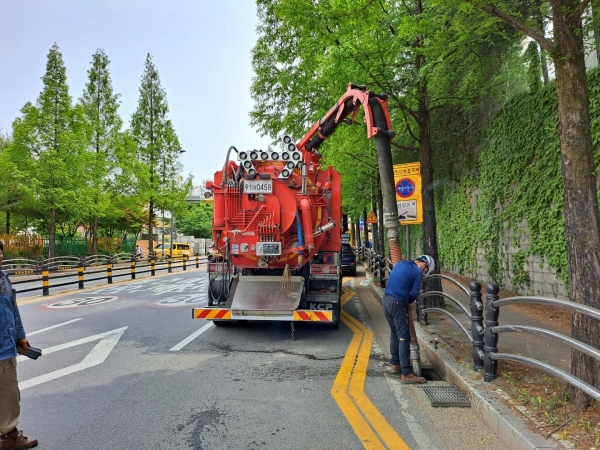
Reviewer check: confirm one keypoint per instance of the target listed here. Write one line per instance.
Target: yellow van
(180, 250)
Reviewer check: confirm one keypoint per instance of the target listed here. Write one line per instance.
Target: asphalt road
(125, 366)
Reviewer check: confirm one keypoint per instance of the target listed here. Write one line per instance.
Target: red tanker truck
(277, 225)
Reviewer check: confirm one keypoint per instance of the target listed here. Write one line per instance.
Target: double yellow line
(370, 426)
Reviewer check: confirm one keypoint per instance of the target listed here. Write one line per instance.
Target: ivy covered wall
(504, 222)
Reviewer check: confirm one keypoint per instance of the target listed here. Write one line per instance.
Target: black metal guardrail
(151, 266)
(24, 266)
(485, 327)
(377, 264)
(493, 329)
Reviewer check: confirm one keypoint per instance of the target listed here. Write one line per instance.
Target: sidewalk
(453, 361)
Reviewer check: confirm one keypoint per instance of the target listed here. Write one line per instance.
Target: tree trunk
(95, 236)
(7, 221)
(365, 229)
(540, 23)
(375, 228)
(52, 233)
(580, 190)
(150, 230)
(429, 224)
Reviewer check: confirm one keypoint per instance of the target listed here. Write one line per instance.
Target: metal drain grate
(446, 396)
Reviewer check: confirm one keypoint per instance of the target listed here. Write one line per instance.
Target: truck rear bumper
(301, 315)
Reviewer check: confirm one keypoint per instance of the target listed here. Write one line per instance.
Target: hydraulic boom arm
(377, 117)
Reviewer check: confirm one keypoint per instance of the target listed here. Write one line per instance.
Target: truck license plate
(258, 186)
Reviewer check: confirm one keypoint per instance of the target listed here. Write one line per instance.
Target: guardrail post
(80, 274)
(382, 272)
(45, 281)
(109, 270)
(152, 268)
(169, 265)
(133, 263)
(490, 366)
(197, 261)
(184, 263)
(421, 305)
(477, 330)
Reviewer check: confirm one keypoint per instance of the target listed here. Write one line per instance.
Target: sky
(201, 50)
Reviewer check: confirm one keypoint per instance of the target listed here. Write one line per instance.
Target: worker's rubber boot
(14, 440)
(411, 378)
(395, 368)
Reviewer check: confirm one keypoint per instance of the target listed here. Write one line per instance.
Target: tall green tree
(158, 146)
(196, 220)
(13, 186)
(582, 217)
(49, 141)
(100, 107)
(307, 53)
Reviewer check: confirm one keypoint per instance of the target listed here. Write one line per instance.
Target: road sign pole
(408, 242)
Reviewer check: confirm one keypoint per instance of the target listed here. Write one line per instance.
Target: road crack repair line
(373, 430)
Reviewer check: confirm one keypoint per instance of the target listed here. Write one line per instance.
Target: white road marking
(82, 301)
(53, 326)
(191, 337)
(97, 356)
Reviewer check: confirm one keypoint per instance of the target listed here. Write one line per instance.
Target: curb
(510, 427)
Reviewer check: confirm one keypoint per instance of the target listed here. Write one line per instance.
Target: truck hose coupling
(324, 229)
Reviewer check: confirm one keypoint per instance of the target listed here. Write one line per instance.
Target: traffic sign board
(408, 193)
(372, 218)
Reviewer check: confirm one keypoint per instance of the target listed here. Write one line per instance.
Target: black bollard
(109, 270)
(152, 269)
(133, 263)
(490, 366)
(45, 281)
(80, 274)
(477, 330)
(382, 272)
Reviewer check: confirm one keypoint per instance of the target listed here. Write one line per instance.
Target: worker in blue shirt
(402, 289)
(13, 341)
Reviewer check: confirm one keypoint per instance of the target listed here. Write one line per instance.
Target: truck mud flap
(263, 293)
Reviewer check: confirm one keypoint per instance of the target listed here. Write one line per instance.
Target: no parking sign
(408, 193)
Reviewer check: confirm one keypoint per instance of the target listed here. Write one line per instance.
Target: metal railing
(493, 329)
(485, 331)
(377, 264)
(24, 266)
(106, 267)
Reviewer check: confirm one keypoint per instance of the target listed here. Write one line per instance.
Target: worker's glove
(22, 346)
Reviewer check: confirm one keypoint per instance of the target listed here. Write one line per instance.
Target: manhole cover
(446, 396)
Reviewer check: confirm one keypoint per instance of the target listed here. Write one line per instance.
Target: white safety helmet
(429, 261)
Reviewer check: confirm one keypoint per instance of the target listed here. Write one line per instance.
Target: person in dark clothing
(402, 289)
(13, 341)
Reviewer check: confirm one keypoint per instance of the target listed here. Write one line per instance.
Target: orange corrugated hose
(395, 250)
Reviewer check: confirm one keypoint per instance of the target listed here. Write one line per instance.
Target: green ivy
(521, 276)
(455, 227)
(416, 237)
(518, 184)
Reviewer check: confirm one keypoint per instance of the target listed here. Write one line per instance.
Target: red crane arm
(377, 117)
